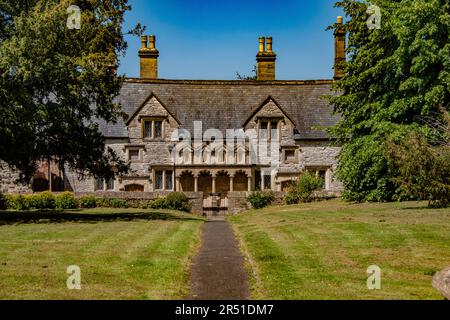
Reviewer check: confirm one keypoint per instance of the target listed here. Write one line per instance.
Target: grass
(322, 250)
(122, 253)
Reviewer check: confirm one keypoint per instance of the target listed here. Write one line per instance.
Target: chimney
(266, 60)
(149, 58)
(339, 49)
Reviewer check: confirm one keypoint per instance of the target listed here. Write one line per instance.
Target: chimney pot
(269, 44)
(262, 44)
(340, 20)
(148, 58)
(144, 42)
(152, 39)
(266, 60)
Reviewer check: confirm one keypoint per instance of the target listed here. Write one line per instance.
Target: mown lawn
(322, 250)
(122, 253)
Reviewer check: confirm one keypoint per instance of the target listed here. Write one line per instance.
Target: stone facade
(215, 140)
(8, 181)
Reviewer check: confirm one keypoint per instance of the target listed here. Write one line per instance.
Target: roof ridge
(231, 82)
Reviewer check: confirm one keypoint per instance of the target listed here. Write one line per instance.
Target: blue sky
(212, 39)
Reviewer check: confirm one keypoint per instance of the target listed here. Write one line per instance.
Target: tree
(424, 169)
(394, 76)
(56, 82)
(247, 78)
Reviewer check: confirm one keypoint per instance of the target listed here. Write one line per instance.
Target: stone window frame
(269, 121)
(164, 171)
(105, 184)
(152, 120)
(139, 148)
(296, 155)
(328, 173)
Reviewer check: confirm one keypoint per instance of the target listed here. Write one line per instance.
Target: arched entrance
(240, 182)
(187, 182)
(205, 182)
(222, 183)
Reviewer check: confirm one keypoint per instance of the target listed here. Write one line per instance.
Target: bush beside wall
(67, 200)
(303, 190)
(259, 200)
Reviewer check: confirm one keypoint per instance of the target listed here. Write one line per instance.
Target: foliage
(174, 201)
(178, 201)
(158, 203)
(118, 203)
(260, 199)
(55, 81)
(424, 170)
(395, 76)
(247, 78)
(18, 202)
(87, 202)
(66, 200)
(302, 191)
(44, 200)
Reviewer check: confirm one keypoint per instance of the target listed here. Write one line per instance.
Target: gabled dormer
(152, 121)
(270, 121)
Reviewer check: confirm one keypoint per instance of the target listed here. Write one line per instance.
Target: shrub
(3, 202)
(87, 202)
(302, 191)
(18, 202)
(44, 200)
(118, 203)
(66, 200)
(178, 201)
(159, 203)
(259, 200)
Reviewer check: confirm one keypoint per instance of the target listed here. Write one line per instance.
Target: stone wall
(8, 180)
(237, 202)
(195, 198)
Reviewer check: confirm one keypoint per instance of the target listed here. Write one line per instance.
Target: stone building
(217, 140)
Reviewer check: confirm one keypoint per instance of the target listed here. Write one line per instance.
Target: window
(152, 129)
(169, 180)
(268, 130)
(158, 129)
(289, 156)
(148, 129)
(274, 132)
(110, 184)
(264, 126)
(322, 176)
(99, 184)
(323, 173)
(257, 180)
(158, 180)
(133, 155)
(267, 182)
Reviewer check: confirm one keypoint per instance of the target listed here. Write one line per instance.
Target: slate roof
(229, 104)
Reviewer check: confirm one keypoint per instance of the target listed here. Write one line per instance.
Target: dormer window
(152, 128)
(268, 129)
(157, 129)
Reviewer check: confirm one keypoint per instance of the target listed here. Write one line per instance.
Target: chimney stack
(339, 49)
(149, 58)
(266, 60)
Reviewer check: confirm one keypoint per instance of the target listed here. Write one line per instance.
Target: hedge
(67, 200)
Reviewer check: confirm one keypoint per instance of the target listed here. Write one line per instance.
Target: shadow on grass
(55, 216)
